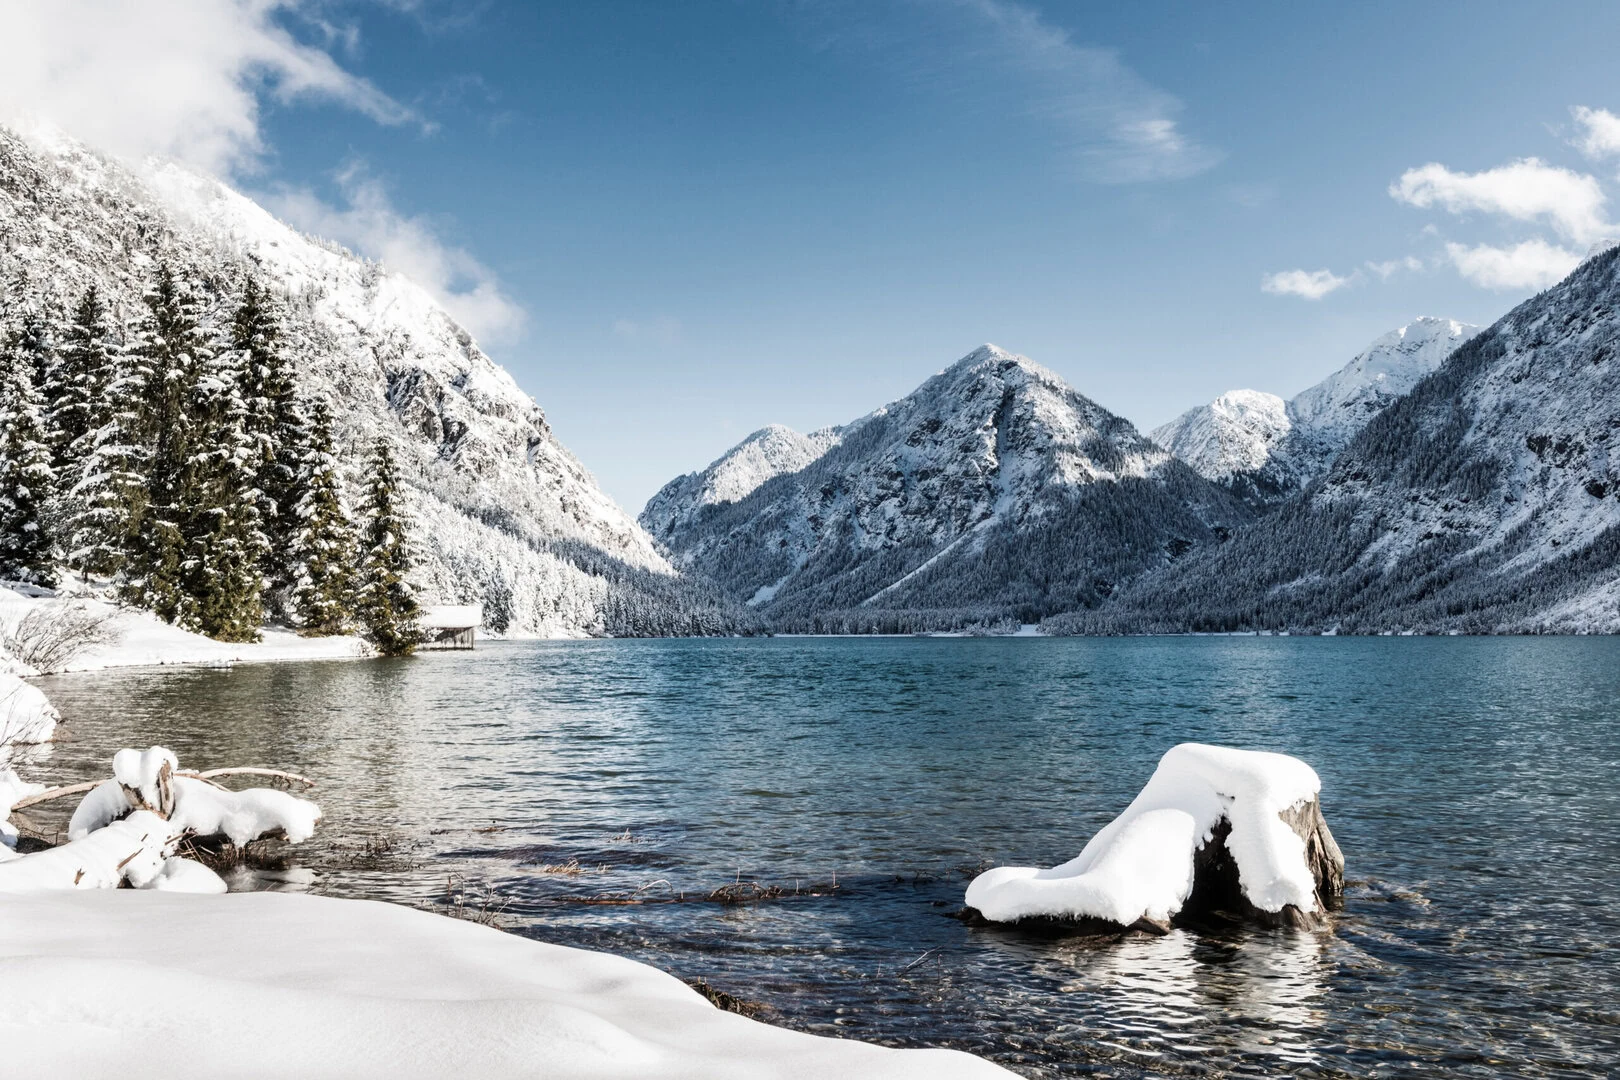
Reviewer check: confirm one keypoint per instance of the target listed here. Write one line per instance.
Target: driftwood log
(1217, 894)
(138, 802)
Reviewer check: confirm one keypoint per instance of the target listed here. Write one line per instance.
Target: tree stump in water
(1218, 894)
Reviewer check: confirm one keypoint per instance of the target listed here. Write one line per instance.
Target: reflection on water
(613, 794)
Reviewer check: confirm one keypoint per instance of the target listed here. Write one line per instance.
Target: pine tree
(323, 544)
(387, 602)
(170, 348)
(106, 489)
(275, 425)
(78, 384)
(218, 511)
(35, 346)
(26, 548)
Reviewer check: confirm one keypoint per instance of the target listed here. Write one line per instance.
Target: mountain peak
(1255, 440)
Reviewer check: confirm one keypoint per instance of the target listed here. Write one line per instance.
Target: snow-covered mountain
(1485, 499)
(506, 515)
(994, 491)
(1266, 448)
(767, 453)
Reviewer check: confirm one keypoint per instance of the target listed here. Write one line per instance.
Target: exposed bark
(1217, 894)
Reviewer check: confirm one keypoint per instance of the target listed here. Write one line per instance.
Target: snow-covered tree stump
(1217, 834)
(1217, 890)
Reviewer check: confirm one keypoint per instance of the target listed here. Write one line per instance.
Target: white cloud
(182, 78)
(1390, 267)
(1534, 264)
(1525, 190)
(1004, 57)
(408, 245)
(1600, 132)
(1307, 284)
(186, 79)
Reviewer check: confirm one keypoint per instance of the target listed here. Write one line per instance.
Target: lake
(614, 794)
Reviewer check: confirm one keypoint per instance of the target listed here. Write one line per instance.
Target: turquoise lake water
(597, 793)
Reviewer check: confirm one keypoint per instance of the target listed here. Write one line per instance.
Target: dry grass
(732, 894)
(481, 905)
(725, 1002)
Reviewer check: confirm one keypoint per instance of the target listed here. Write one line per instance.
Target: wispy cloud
(181, 78)
(1306, 284)
(367, 221)
(1113, 125)
(1390, 267)
(1599, 132)
(1534, 264)
(1525, 190)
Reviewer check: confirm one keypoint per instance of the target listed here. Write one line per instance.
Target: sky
(676, 221)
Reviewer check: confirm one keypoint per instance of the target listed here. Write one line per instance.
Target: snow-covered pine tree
(34, 343)
(26, 548)
(170, 347)
(323, 546)
(222, 575)
(387, 604)
(77, 384)
(106, 495)
(275, 426)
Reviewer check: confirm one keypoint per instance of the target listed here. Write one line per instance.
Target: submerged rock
(1217, 834)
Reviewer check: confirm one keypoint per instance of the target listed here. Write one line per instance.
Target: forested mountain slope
(506, 516)
(994, 492)
(1487, 499)
(1265, 448)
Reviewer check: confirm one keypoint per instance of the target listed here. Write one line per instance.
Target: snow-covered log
(1216, 831)
(133, 850)
(151, 779)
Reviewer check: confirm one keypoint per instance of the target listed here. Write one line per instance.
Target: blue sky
(677, 222)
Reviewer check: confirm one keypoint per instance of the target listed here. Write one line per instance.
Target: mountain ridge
(1266, 448)
(944, 505)
(1486, 500)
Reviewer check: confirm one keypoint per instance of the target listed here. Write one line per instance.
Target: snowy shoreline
(131, 637)
(158, 978)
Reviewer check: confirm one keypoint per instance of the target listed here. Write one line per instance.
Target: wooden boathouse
(450, 626)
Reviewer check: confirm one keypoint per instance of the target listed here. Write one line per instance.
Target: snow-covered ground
(134, 638)
(130, 983)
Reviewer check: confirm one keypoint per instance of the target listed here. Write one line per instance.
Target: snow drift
(1208, 812)
(269, 984)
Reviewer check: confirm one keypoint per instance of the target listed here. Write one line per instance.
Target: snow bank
(1141, 864)
(200, 807)
(141, 639)
(267, 984)
(26, 714)
(136, 638)
(12, 789)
